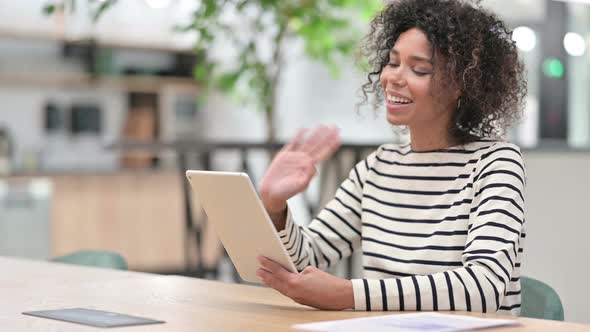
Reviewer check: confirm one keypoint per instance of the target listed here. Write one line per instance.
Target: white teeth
(394, 99)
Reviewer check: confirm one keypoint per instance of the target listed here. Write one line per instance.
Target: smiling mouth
(395, 100)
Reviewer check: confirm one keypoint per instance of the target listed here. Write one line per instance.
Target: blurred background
(104, 104)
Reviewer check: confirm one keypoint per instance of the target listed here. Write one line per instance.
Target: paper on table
(414, 322)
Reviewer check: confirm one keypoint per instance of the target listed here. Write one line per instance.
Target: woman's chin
(396, 120)
(399, 115)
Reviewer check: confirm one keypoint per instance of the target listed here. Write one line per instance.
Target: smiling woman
(440, 221)
(475, 74)
(406, 81)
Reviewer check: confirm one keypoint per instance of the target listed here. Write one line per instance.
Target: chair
(96, 258)
(539, 300)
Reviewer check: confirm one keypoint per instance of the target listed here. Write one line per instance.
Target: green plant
(257, 42)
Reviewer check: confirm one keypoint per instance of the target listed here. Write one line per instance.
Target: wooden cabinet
(137, 214)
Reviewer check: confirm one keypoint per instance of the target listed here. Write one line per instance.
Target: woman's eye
(392, 64)
(421, 72)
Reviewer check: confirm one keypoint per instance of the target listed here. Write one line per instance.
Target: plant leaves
(227, 81)
(49, 9)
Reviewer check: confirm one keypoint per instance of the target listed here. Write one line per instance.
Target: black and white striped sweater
(439, 230)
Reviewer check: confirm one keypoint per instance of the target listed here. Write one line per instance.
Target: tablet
(236, 213)
(91, 317)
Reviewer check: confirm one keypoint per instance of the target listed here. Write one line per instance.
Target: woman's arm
(336, 231)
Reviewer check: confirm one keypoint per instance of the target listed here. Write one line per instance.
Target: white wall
(579, 79)
(308, 96)
(557, 248)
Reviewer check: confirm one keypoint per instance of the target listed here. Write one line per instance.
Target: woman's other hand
(294, 166)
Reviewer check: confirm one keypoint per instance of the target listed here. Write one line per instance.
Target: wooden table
(186, 304)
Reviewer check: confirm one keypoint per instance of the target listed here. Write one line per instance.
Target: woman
(440, 221)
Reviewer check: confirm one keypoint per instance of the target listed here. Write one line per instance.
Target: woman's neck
(428, 139)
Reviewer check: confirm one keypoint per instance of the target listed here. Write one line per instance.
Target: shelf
(59, 38)
(134, 83)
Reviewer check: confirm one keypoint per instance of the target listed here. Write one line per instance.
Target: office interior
(100, 120)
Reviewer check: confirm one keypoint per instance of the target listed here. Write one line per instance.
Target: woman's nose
(395, 77)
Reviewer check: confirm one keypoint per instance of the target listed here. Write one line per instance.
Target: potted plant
(328, 29)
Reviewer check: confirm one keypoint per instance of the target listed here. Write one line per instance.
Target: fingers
(308, 270)
(319, 143)
(273, 267)
(264, 276)
(296, 140)
(271, 280)
(328, 146)
(314, 139)
(322, 142)
(274, 275)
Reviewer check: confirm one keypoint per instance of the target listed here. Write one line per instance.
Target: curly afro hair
(471, 46)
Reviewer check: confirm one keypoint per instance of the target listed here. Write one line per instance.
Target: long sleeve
(490, 260)
(336, 232)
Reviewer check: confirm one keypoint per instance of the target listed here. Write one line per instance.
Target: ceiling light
(574, 44)
(525, 38)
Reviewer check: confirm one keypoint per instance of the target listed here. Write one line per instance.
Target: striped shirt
(439, 230)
